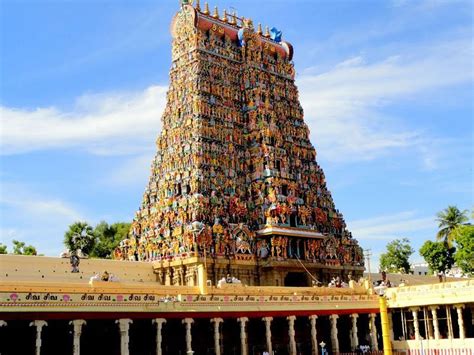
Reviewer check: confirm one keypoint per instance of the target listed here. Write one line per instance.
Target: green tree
(108, 237)
(397, 256)
(20, 248)
(438, 255)
(449, 219)
(80, 235)
(464, 257)
(3, 249)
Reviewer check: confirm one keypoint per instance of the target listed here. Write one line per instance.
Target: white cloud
(102, 124)
(389, 227)
(344, 106)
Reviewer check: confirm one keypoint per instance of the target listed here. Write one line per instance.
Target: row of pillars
(433, 329)
(124, 326)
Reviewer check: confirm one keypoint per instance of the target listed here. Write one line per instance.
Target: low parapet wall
(43, 268)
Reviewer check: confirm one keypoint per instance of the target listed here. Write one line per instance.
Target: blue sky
(386, 86)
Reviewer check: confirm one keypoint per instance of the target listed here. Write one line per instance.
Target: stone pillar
(462, 332)
(334, 340)
(202, 278)
(39, 324)
(416, 325)
(435, 321)
(354, 337)
(314, 339)
(217, 334)
(188, 322)
(160, 276)
(450, 322)
(268, 333)
(168, 277)
(374, 346)
(159, 326)
(77, 331)
(124, 326)
(291, 334)
(243, 335)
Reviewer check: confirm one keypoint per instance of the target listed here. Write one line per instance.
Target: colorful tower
(235, 185)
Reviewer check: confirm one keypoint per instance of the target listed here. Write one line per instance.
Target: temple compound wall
(52, 312)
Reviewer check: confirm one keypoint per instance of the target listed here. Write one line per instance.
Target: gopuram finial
(224, 18)
(233, 18)
(206, 9)
(216, 13)
(267, 32)
(259, 30)
(198, 5)
(248, 23)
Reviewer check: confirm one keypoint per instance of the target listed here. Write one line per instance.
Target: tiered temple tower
(235, 185)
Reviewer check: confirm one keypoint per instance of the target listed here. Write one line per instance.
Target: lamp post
(368, 254)
(323, 347)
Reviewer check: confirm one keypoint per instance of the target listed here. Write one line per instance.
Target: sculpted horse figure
(242, 246)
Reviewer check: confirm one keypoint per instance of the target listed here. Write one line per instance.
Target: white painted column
(243, 335)
(416, 325)
(450, 322)
(268, 333)
(354, 337)
(434, 314)
(189, 339)
(39, 324)
(77, 331)
(373, 333)
(217, 334)
(314, 339)
(291, 334)
(159, 339)
(334, 339)
(462, 332)
(124, 326)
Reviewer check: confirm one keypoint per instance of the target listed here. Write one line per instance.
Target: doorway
(296, 279)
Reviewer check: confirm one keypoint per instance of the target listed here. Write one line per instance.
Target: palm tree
(449, 219)
(79, 236)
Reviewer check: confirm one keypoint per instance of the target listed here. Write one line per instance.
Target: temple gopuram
(237, 237)
(235, 184)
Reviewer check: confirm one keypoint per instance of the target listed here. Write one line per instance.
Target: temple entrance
(296, 279)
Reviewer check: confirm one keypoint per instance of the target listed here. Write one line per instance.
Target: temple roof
(231, 28)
